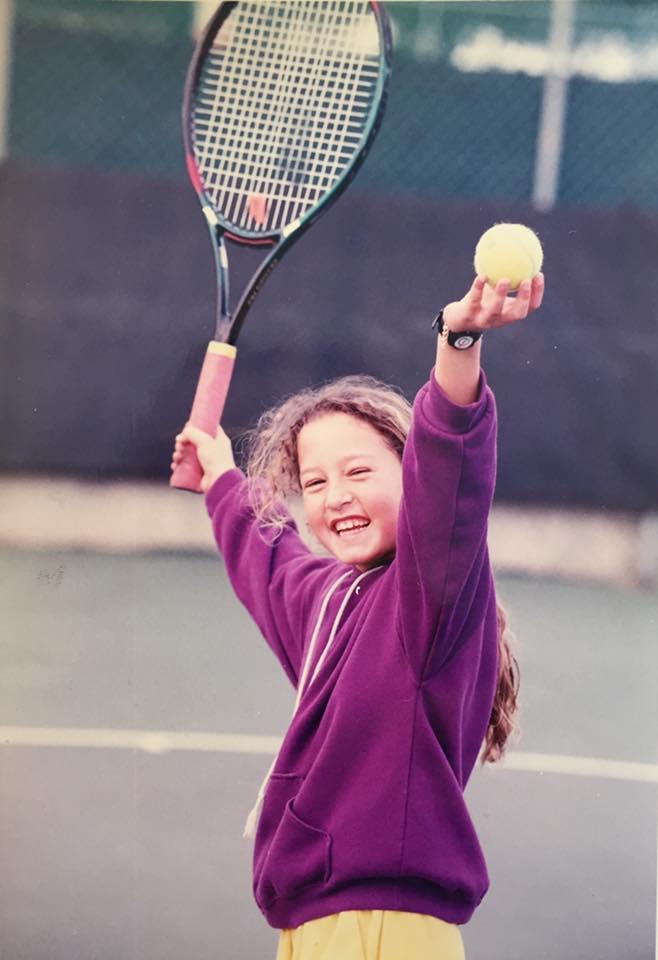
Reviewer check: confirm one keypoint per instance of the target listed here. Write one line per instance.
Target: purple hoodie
(364, 808)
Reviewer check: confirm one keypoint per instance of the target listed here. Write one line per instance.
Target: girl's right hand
(215, 454)
(485, 307)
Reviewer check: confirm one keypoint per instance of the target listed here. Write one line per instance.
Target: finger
(497, 306)
(537, 292)
(521, 304)
(181, 440)
(502, 287)
(474, 295)
(192, 434)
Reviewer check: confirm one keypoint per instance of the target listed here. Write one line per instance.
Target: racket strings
(282, 105)
(241, 165)
(282, 92)
(289, 89)
(347, 79)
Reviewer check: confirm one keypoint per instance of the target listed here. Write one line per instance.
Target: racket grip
(207, 409)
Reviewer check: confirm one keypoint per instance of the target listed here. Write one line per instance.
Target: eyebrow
(341, 462)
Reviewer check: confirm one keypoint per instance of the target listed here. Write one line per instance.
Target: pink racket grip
(207, 410)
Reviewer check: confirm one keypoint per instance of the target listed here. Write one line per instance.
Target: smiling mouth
(349, 532)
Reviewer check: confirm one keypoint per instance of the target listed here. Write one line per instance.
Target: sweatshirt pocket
(298, 855)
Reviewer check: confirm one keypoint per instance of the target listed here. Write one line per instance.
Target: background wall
(106, 279)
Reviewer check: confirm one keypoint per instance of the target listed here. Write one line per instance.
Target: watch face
(464, 341)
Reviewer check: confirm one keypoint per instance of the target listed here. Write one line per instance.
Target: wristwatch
(463, 340)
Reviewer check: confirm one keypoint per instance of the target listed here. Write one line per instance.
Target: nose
(338, 494)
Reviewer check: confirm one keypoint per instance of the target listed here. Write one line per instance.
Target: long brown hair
(272, 469)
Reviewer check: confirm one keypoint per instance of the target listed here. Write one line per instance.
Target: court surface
(140, 709)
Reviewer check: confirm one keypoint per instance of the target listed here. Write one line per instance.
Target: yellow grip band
(222, 349)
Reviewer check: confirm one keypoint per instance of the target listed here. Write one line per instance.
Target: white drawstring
(254, 814)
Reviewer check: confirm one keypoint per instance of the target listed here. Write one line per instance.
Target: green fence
(98, 83)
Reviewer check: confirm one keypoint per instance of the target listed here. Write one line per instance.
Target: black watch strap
(462, 340)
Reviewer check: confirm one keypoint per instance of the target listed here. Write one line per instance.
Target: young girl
(364, 849)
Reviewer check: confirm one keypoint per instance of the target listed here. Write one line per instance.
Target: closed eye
(352, 473)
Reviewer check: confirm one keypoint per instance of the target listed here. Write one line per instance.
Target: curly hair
(272, 469)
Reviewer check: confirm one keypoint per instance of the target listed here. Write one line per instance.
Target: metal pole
(6, 20)
(554, 105)
(203, 10)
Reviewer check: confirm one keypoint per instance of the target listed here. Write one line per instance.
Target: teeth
(350, 525)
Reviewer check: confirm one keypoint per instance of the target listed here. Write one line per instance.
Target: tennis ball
(508, 251)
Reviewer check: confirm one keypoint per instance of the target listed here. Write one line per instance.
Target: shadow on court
(113, 852)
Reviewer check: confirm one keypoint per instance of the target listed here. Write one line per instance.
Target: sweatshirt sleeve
(442, 562)
(275, 579)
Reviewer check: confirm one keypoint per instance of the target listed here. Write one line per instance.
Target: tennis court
(139, 709)
(139, 706)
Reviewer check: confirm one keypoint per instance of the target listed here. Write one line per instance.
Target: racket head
(281, 104)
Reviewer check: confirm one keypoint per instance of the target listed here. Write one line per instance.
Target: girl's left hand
(485, 307)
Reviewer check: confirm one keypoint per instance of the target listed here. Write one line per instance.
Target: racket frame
(229, 325)
(219, 361)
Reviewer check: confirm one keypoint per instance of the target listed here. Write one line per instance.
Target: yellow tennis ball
(508, 251)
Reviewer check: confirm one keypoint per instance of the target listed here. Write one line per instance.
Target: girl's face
(351, 484)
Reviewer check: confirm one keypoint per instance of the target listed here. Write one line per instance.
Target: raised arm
(483, 308)
(276, 578)
(449, 467)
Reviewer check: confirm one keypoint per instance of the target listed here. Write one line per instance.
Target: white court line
(581, 766)
(151, 741)
(161, 741)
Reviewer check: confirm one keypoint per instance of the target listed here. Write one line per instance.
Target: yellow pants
(372, 935)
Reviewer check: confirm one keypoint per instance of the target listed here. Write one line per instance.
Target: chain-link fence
(477, 85)
(539, 112)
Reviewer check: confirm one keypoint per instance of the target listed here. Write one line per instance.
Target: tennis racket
(283, 99)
